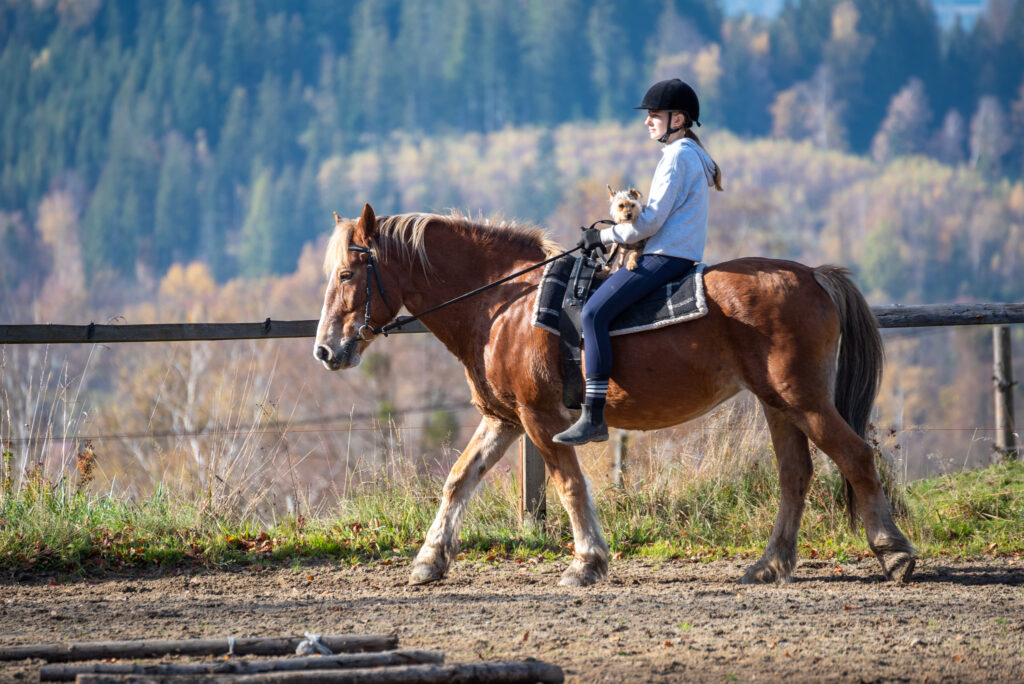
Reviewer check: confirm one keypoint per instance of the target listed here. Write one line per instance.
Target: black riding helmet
(672, 95)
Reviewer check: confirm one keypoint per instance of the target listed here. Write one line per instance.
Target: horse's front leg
(590, 560)
(489, 443)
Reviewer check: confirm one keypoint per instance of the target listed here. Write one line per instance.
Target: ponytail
(688, 133)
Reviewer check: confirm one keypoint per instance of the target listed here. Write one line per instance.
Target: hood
(707, 163)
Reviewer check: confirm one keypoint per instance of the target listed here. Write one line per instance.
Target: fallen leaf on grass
(837, 570)
(526, 636)
(667, 642)
(957, 658)
(849, 607)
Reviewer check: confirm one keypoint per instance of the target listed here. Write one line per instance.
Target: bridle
(371, 266)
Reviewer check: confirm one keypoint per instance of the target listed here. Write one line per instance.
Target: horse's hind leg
(489, 443)
(590, 557)
(856, 461)
(793, 460)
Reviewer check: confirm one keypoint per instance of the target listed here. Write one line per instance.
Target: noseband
(371, 265)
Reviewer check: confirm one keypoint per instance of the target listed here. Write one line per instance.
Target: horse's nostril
(322, 352)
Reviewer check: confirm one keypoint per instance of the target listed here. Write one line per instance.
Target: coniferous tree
(904, 43)
(610, 65)
(255, 255)
(176, 227)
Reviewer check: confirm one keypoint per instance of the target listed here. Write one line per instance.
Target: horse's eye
(345, 275)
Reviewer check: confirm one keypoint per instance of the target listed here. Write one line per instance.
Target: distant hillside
(138, 135)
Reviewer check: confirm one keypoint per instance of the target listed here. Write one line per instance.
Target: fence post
(1006, 439)
(532, 477)
(621, 446)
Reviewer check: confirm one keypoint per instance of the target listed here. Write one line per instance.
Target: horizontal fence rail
(888, 317)
(927, 315)
(169, 332)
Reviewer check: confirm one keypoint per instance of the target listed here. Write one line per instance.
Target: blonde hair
(688, 133)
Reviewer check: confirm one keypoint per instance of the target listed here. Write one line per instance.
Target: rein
(371, 265)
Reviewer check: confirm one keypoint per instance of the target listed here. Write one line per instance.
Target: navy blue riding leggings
(622, 289)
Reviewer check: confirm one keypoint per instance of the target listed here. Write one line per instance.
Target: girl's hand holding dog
(591, 240)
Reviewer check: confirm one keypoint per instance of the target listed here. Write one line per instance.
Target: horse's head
(354, 302)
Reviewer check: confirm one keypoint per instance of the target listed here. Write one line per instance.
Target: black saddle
(569, 282)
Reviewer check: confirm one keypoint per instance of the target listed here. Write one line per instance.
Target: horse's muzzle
(346, 356)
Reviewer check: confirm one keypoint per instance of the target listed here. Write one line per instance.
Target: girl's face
(656, 122)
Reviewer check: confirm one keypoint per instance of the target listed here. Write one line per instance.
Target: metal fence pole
(1002, 377)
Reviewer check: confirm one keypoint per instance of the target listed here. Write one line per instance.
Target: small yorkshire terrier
(625, 207)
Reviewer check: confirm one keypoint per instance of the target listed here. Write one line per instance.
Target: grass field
(62, 526)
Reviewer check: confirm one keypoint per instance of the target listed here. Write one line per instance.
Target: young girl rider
(676, 222)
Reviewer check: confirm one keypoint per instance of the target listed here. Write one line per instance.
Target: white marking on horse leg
(591, 548)
(489, 443)
(590, 560)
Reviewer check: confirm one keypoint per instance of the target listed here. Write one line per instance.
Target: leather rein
(371, 265)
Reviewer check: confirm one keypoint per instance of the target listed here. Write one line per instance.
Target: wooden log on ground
(68, 673)
(154, 648)
(523, 672)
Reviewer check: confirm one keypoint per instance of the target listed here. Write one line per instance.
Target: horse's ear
(337, 219)
(366, 227)
(611, 193)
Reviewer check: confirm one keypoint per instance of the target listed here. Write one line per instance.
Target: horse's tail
(861, 356)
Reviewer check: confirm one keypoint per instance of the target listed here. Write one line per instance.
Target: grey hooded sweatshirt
(676, 216)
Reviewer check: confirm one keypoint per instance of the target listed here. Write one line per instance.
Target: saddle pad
(677, 301)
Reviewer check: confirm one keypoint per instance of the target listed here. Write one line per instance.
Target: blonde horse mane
(403, 235)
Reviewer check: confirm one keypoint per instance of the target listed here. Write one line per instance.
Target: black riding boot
(589, 428)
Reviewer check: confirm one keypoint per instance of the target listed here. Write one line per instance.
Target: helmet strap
(669, 131)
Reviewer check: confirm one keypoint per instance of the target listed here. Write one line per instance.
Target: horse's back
(771, 295)
(764, 316)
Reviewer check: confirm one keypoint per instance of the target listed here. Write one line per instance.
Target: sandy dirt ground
(651, 621)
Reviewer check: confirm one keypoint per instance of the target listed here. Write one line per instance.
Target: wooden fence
(532, 475)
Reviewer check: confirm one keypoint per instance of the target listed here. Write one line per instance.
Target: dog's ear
(611, 193)
(635, 194)
(366, 227)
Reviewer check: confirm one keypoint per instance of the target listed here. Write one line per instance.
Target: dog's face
(625, 204)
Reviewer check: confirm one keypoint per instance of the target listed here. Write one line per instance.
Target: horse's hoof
(580, 575)
(899, 567)
(765, 573)
(425, 574)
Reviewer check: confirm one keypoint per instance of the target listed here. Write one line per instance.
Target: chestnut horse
(773, 327)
